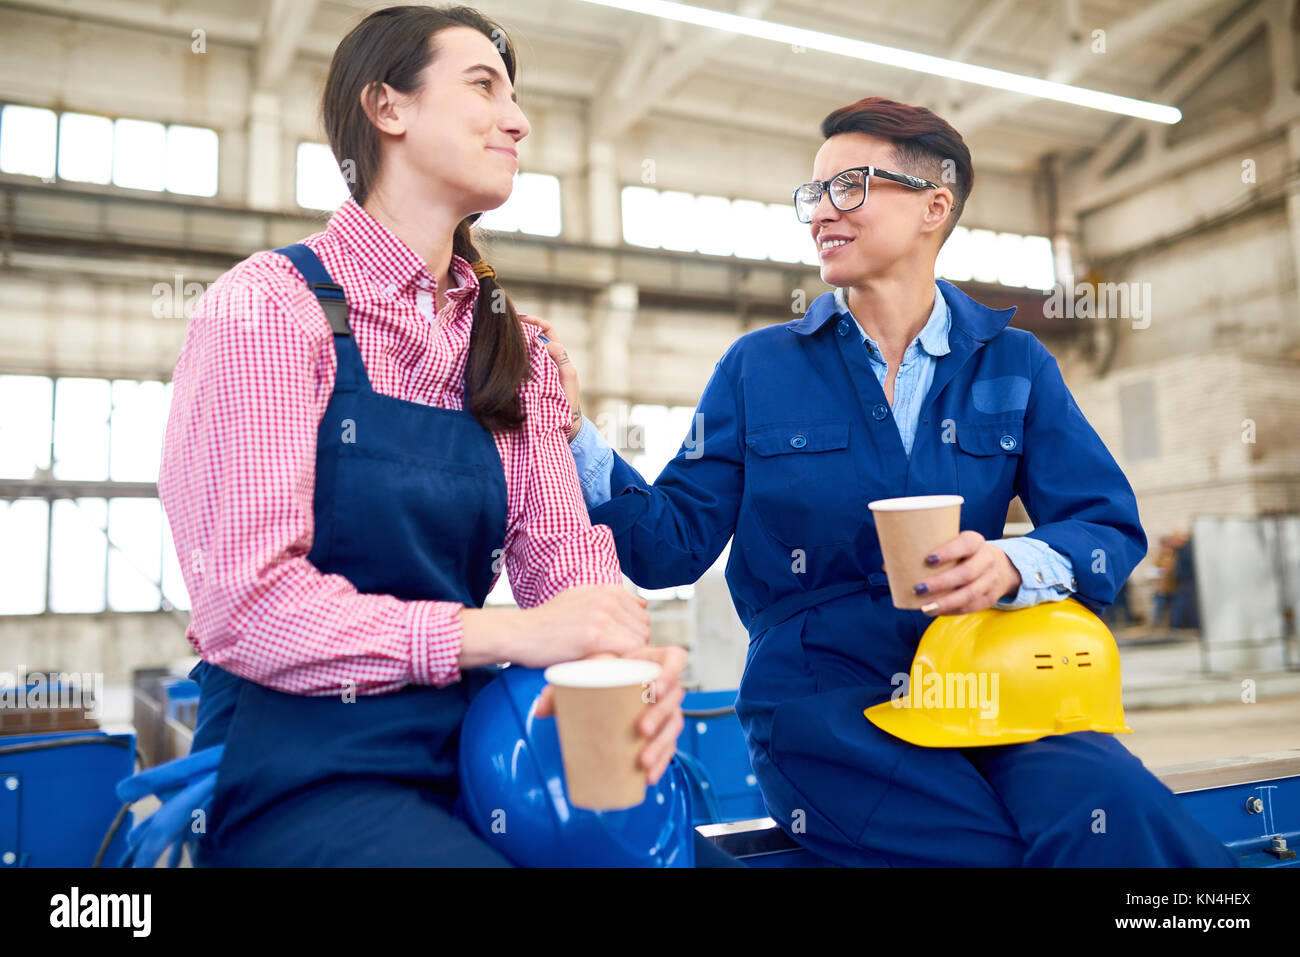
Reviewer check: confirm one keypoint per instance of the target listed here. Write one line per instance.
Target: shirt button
(1008, 442)
(1039, 576)
(798, 441)
(879, 412)
(391, 289)
(842, 327)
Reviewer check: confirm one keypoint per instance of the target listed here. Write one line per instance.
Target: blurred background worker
(1163, 576)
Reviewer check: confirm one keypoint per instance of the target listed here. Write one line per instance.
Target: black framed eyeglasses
(848, 190)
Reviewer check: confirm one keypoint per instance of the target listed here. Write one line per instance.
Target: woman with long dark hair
(362, 437)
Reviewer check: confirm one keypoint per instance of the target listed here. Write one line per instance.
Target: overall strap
(327, 291)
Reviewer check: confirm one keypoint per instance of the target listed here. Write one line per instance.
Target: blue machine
(58, 800)
(181, 699)
(57, 797)
(1252, 805)
(162, 702)
(711, 749)
(1257, 816)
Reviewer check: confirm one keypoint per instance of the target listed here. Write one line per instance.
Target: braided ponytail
(497, 364)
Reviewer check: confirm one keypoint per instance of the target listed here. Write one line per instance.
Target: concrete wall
(1224, 427)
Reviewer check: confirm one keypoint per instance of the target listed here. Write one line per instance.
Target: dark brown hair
(923, 144)
(393, 46)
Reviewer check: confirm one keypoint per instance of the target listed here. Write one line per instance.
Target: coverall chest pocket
(803, 482)
(988, 454)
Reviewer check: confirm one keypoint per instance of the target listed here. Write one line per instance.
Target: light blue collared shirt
(1046, 574)
(916, 373)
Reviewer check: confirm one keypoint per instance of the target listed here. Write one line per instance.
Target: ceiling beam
(1238, 32)
(1228, 140)
(143, 16)
(633, 65)
(612, 115)
(970, 34)
(1161, 162)
(1077, 58)
(283, 29)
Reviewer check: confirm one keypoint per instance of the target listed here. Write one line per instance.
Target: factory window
(136, 154)
(79, 469)
(191, 163)
(717, 226)
(533, 207)
(714, 225)
(651, 438)
(320, 181)
(139, 153)
(1008, 259)
(27, 137)
(85, 148)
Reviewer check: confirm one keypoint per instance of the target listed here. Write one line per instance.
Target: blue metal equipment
(1251, 804)
(57, 797)
(712, 751)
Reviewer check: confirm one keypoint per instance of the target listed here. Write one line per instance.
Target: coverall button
(842, 327)
(879, 412)
(798, 441)
(1008, 442)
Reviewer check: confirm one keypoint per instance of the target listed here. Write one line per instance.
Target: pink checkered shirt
(239, 458)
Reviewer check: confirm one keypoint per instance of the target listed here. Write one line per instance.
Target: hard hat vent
(1053, 640)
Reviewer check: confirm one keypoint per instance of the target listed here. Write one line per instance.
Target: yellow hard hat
(1006, 677)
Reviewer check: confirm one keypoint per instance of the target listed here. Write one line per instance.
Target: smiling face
(895, 230)
(459, 132)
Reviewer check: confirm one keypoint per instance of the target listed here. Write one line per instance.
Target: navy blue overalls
(410, 501)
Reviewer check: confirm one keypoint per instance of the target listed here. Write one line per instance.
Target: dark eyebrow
(493, 72)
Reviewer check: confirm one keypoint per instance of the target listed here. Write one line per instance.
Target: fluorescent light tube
(904, 59)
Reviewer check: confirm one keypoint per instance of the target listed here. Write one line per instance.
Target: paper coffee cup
(598, 702)
(909, 529)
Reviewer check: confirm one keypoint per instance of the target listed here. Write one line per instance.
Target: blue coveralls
(792, 438)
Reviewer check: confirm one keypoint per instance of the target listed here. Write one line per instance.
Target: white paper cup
(909, 529)
(598, 702)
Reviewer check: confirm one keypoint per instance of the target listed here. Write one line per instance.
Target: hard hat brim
(914, 726)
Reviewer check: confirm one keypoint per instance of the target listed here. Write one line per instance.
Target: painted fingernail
(931, 608)
(922, 588)
(932, 559)
(542, 336)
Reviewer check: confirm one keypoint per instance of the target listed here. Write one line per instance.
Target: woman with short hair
(895, 385)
